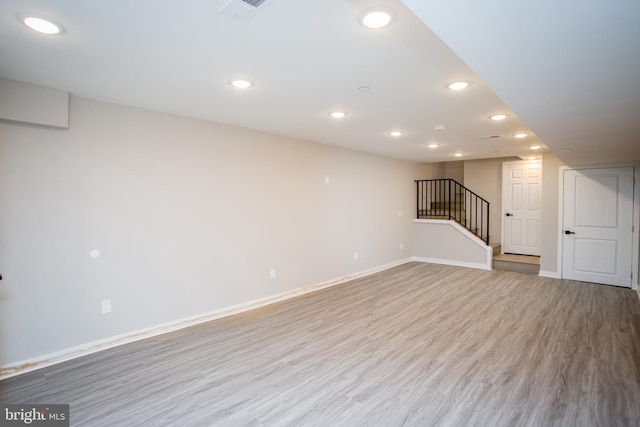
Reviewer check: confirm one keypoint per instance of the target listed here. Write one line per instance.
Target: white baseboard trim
(551, 274)
(115, 341)
(453, 263)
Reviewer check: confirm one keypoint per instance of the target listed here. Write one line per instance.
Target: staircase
(448, 199)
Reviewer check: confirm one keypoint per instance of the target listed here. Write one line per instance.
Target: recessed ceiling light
(498, 117)
(376, 18)
(364, 89)
(438, 127)
(396, 133)
(520, 135)
(241, 84)
(433, 145)
(458, 85)
(565, 150)
(535, 147)
(532, 158)
(338, 114)
(458, 154)
(41, 25)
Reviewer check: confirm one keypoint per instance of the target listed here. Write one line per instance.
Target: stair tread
(523, 259)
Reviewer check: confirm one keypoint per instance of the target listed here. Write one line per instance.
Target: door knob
(569, 232)
(509, 214)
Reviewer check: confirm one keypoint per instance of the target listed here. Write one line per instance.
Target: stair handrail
(456, 210)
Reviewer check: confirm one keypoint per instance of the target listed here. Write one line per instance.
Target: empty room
(336, 213)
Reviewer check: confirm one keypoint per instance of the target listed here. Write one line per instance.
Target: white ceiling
(570, 69)
(570, 76)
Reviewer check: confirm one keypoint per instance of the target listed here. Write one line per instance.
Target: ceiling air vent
(490, 137)
(242, 10)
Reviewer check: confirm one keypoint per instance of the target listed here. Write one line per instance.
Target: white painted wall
(441, 170)
(22, 102)
(431, 170)
(446, 242)
(189, 217)
(549, 220)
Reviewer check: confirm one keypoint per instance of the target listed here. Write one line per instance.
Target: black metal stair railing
(448, 199)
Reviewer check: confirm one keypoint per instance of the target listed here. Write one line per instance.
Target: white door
(521, 199)
(597, 225)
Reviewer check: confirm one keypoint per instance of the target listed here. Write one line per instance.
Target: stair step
(496, 248)
(517, 263)
(446, 205)
(441, 212)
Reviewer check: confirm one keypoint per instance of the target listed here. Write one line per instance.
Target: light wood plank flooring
(416, 345)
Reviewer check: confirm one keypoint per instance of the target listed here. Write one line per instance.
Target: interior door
(598, 225)
(522, 195)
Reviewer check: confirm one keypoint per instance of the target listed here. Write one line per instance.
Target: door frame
(635, 249)
(503, 212)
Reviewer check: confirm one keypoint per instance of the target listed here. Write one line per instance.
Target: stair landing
(519, 263)
(510, 262)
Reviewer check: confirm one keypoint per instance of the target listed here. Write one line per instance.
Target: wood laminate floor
(416, 345)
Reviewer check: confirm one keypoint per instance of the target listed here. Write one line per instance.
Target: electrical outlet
(399, 213)
(106, 306)
(326, 179)
(272, 273)
(355, 255)
(401, 246)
